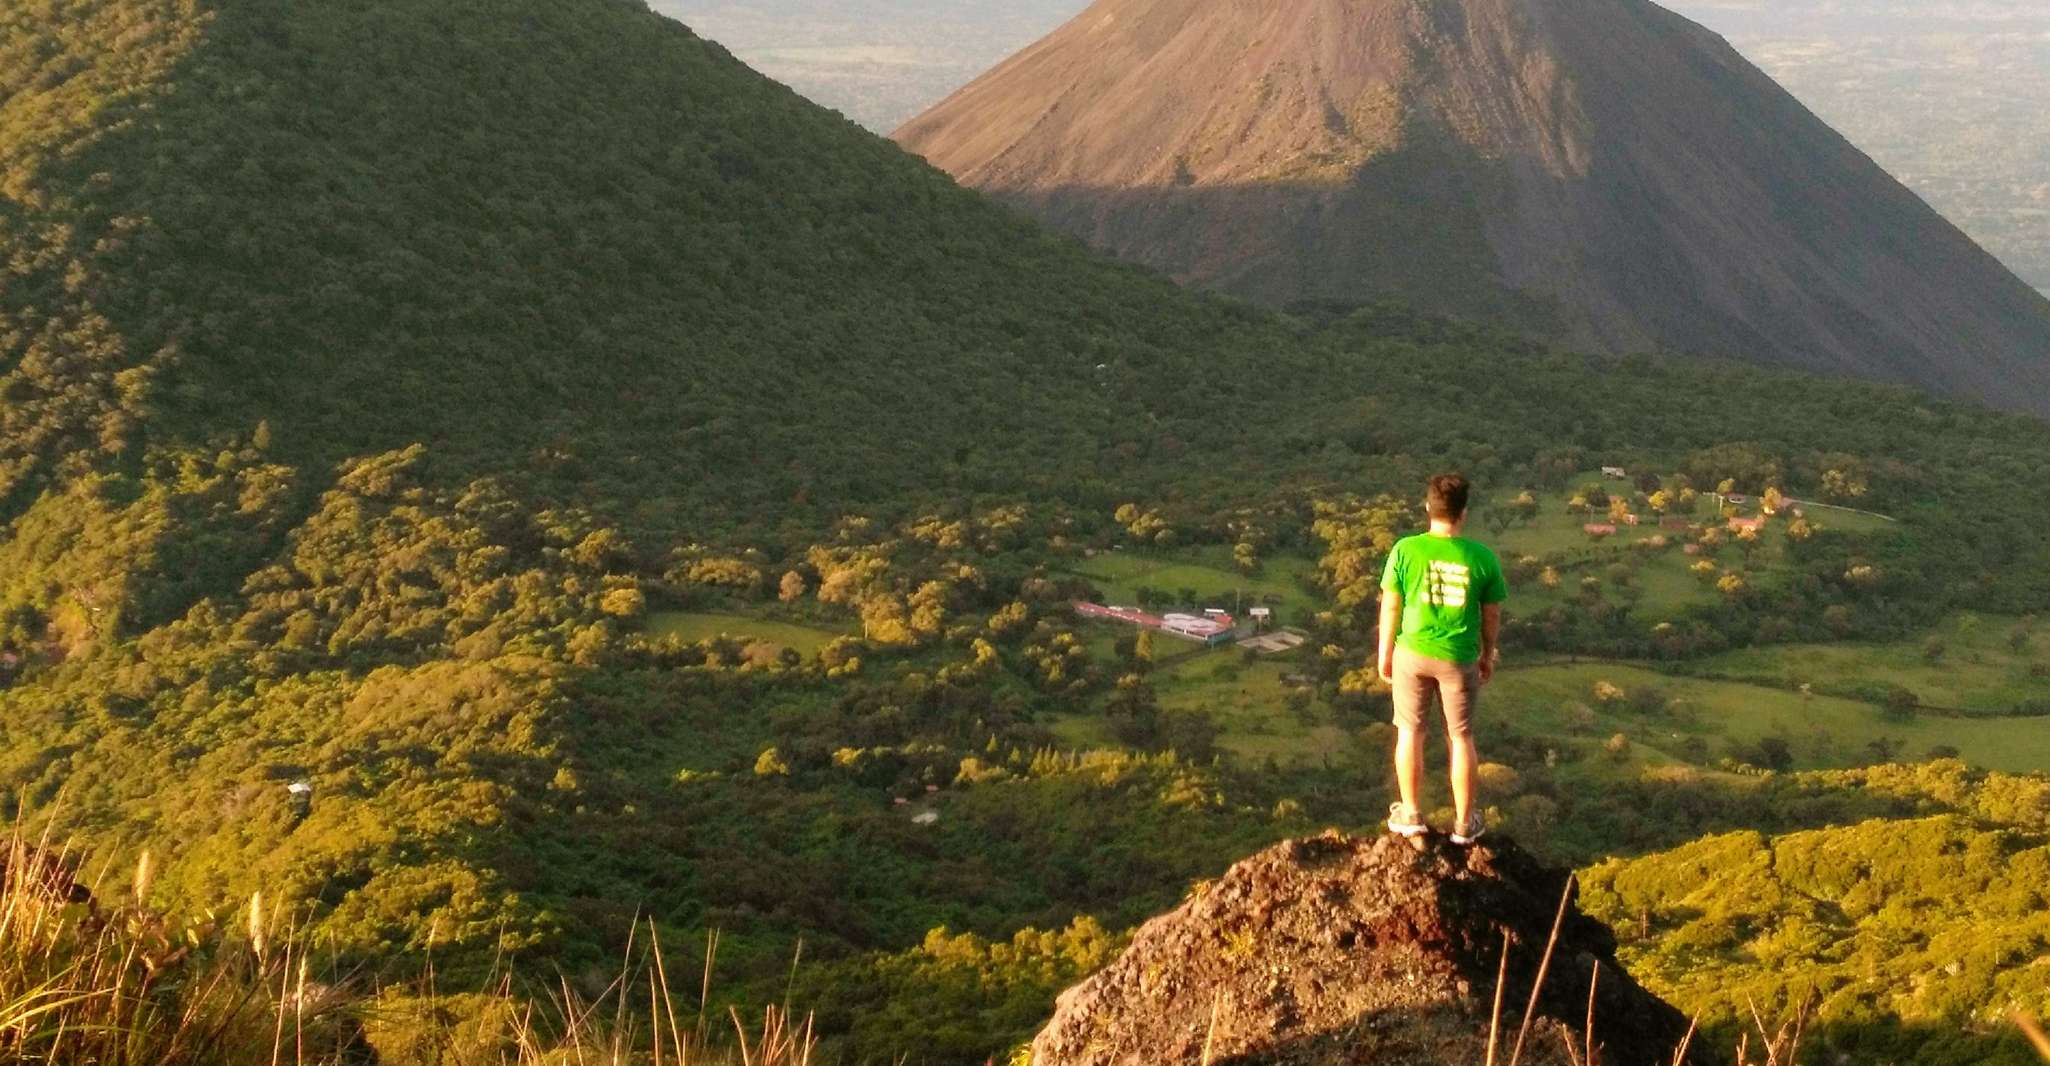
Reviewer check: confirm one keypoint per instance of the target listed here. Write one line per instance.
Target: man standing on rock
(1441, 611)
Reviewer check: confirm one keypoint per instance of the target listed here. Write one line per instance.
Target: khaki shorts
(1457, 686)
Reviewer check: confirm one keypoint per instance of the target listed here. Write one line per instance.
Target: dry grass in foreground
(88, 980)
(85, 978)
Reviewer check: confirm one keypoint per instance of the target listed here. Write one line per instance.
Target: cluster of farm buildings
(1213, 626)
(1681, 523)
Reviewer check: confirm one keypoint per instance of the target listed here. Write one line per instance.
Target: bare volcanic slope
(1339, 950)
(1603, 171)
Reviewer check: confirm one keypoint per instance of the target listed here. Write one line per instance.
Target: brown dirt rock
(1348, 950)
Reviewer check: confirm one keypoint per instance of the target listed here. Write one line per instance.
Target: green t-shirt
(1444, 582)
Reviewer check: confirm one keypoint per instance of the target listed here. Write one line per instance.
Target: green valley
(490, 485)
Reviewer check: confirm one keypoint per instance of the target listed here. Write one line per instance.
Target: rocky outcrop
(1351, 950)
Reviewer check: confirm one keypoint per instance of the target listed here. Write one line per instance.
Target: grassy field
(1658, 581)
(1081, 732)
(1249, 704)
(1248, 701)
(1659, 586)
(691, 626)
(1820, 731)
(1977, 670)
(1703, 719)
(1209, 573)
(1555, 529)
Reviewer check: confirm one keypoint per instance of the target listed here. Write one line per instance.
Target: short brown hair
(1446, 499)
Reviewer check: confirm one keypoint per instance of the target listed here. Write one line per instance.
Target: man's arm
(1491, 628)
(1391, 619)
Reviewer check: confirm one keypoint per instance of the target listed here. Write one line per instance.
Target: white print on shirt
(1445, 584)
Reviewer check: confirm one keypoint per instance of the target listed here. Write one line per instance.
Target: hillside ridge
(614, 249)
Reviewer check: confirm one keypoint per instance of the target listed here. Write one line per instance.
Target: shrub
(1189, 734)
(1498, 780)
(1899, 704)
(1647, 699)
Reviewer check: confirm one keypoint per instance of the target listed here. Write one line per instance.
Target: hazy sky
(1951, 96)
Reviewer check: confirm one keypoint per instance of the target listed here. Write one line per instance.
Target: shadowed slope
(1600, 170)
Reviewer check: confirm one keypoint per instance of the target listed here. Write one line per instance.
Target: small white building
(1208, 629)
(300, 796)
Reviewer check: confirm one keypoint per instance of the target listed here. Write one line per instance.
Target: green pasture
(693, 626)
(1658, 585)
(1248, 701)
(1976, 669)
(1557, 530)
(1081, 732)
(1101, 638)
(1660, 582)
(1250, 705)
(1209, 573)
(1665, 589)
(1821, 731)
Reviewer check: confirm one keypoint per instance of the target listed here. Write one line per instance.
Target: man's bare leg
(1409, 764)
(1465, 774)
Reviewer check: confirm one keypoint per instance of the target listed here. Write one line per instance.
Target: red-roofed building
(1129, 615)
(1213, 626)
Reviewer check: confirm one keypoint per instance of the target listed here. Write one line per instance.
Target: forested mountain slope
(568, 240)
(1607, 173)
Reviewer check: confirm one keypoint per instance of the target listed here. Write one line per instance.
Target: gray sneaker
(1403, 820)
(1470, 830)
